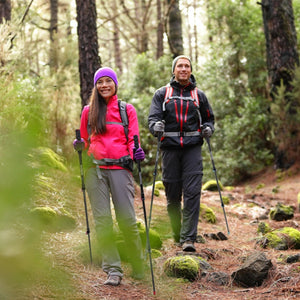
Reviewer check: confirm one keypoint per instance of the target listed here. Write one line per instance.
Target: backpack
(195, 100)
(124, 118)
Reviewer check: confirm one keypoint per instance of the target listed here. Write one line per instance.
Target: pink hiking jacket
(113, 143)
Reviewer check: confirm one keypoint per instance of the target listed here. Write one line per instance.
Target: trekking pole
(136, 145)
(154, 175)
(78, 137)
(215, 171)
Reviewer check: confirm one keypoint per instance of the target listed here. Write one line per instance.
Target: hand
(158, 127)
(78, 144)
(207, 132)
(138, 154)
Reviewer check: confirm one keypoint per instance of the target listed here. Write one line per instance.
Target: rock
(253, 271)
(182, 267)
(283, 239)
(211, 185)
(293, 258)
(207, 214)
(281, 212)
(219, 278)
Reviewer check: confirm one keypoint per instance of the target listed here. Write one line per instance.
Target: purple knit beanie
(105, 72)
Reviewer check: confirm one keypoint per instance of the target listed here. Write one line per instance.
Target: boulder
(253, 271)
(281, 212)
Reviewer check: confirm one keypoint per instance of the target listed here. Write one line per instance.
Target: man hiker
(180, 116)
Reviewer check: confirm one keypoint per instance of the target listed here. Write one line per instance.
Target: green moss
(229, 188)
(207, 213)
(263, 228)
(275, 190)
(274, 241)
(48, 157)
(293, 234)
(211, 185)
(159, 185)
(226, 200)
(260, 186)
(156, 192)
(182, 267)
(285, 211)
(284, 238)
(44, 215)
(298, 198)
(155, 253)
(154, 237)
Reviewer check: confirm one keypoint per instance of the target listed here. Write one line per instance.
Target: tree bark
(282, 58)
(175, 28)
(160, 31)
(116, 41)
(53, 36)
(5, 10)
(89, 60)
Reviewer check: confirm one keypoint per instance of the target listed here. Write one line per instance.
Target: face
(106, 87)
(182, 71)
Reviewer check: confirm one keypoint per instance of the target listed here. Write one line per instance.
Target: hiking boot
(113, 280)
(188, 246)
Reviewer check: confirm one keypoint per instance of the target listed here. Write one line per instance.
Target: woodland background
(245, 58)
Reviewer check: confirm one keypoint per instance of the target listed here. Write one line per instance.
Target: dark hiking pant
(182, 175)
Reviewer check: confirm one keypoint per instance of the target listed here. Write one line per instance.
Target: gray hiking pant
(182, 174)
(118, 183)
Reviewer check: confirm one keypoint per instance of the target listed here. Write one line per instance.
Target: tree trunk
(116, 41)
(5, 10)
(196, 57)
(53, 36)
(160, 31)
(89, 60)
(175, 28)
(282, 58)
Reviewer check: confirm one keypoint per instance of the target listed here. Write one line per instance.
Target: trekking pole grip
(78, 136)
(136, 141)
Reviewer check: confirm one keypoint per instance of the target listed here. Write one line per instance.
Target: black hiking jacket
(182, 113)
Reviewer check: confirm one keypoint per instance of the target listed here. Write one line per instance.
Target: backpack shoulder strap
(124, 116)
(168, 94)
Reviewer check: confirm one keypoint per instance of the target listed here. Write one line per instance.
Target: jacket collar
(190, 86)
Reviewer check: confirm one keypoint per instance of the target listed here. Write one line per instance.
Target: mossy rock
(284, 238)
(226, 200)
(155, 253)
(53, 219)
(260, 186)
(211, 185)
(182, 267)
(207, 214)
(65, 220)
(229, 188)
(44, 215)
(48, 157)
(154, 237)
(156, 192)
(159, 185)
(263, 228)
(281, 212)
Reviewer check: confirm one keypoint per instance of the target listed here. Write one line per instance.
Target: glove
(207, 132)
(158, 127)
(138, 154)
(78, 144)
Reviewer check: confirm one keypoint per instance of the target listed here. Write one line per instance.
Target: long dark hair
(97, 113)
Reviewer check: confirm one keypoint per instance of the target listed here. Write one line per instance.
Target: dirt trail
(246, 206)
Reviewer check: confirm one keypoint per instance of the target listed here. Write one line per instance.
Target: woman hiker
(110, 145)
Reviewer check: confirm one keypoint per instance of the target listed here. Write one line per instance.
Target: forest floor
(248, 202)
